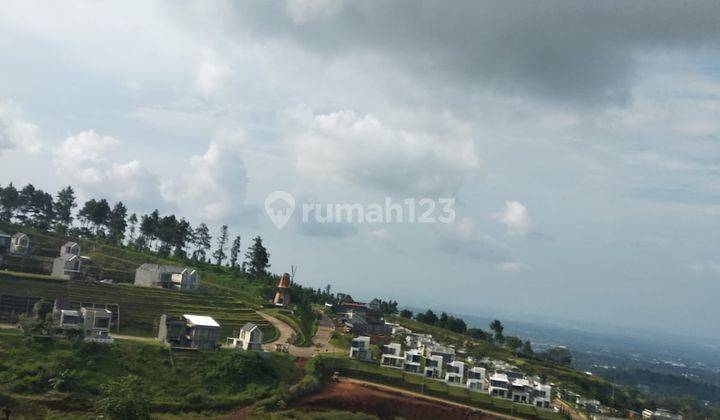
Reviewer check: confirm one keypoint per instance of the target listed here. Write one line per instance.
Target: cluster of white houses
(435, 361)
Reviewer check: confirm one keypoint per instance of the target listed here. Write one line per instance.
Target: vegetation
(125, 378)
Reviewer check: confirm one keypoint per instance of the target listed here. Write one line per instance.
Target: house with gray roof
(250, 338)
(167, 277)
(68, 264)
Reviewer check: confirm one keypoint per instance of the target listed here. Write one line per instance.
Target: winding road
(320, 341)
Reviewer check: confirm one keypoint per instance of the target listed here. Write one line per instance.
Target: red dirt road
(348, 395)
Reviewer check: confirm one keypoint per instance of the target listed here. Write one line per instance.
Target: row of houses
(360, 318)
(435, 361)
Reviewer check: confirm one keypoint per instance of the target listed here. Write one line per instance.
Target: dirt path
(320, 341)
(387, 402)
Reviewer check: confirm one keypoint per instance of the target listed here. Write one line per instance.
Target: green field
(140, 308)
(175, 382)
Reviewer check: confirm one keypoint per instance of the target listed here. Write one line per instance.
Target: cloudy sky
(581, 141)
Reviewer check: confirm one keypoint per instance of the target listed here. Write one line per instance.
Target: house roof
(69, 312)
(248, 327)
(19, 235)
(68, 257)
(201, 320)
(4, 234)
(70, 243)
(162, 268)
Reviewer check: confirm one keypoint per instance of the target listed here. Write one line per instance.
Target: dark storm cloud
(577, 51)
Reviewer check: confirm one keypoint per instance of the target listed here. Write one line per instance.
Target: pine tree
(234, 251)
(219, 253)
(9, 202)
(201, 239)
(117, 223)
(132, 221)
(65, 203)
(258, 258)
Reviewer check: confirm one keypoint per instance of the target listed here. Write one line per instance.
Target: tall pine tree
(219, 253)
(258, 258)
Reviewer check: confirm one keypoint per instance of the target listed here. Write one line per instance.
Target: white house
(96, 323)
(476, 379)
(433, 367)
(455, 372)
(19, 244)
(70, 320)
(68, 264)
(542, 395)
(521, 391)
(250, 338)
(413, 359)
(391, 356)
(499, 385)
(167, 277)
(360, 348)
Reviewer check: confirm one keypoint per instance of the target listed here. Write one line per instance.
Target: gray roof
(70, 243)
(18, 234)
(4, 234)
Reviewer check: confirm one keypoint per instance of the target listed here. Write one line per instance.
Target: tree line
(100, 220)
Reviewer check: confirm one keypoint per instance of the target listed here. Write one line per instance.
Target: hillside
(140, 308)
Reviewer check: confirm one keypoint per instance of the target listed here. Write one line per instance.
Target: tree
(132, 223)
(149, 228)
(201, 239)
(124, 398)
(513, 343)
(9, 202)
(527, 349)
(406, 313)
(428, 317)
(35, 208)
(497, 327)
(64, 205)
(96, 214)
(234, 251)
(219, 253)
(117, 224)
(476, 333)
(258, 258)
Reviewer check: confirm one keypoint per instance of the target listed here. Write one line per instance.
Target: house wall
(146, 278)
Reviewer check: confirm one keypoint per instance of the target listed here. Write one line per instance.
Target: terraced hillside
(140, 308)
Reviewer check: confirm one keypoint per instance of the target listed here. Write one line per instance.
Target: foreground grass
(66, 376)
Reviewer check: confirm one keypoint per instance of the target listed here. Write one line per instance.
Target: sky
(580, 141)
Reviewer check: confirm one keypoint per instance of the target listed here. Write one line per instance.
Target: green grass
(140, 307)
(174, 381)
(284, 315)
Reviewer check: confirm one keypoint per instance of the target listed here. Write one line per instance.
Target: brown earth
(357, 396)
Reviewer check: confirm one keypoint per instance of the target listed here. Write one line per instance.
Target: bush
(123, 399)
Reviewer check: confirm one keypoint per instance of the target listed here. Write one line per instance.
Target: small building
(455, 373)
(499, 385)
(282, 295)
(19, 244)
(196, 332)
(250, 338)
(433, 367)
(70, 320)
(96, 324)
(391, 356)
(69, 263)
(521, 390)
(413, 360)
(476, 379)
(360, 348)
(433, 349)
(167, 277)
(542, 395)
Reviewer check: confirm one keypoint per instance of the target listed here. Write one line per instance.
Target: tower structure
(282, 296)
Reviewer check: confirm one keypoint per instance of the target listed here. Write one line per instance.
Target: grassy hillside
(228, 298)
(49, 377)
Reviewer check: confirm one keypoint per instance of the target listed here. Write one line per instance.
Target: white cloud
(345, 147)
(212, 73)
(15, 131)
(84, 160)
(213, 185)
(463, 238)
(382, 234)
(515, 218)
